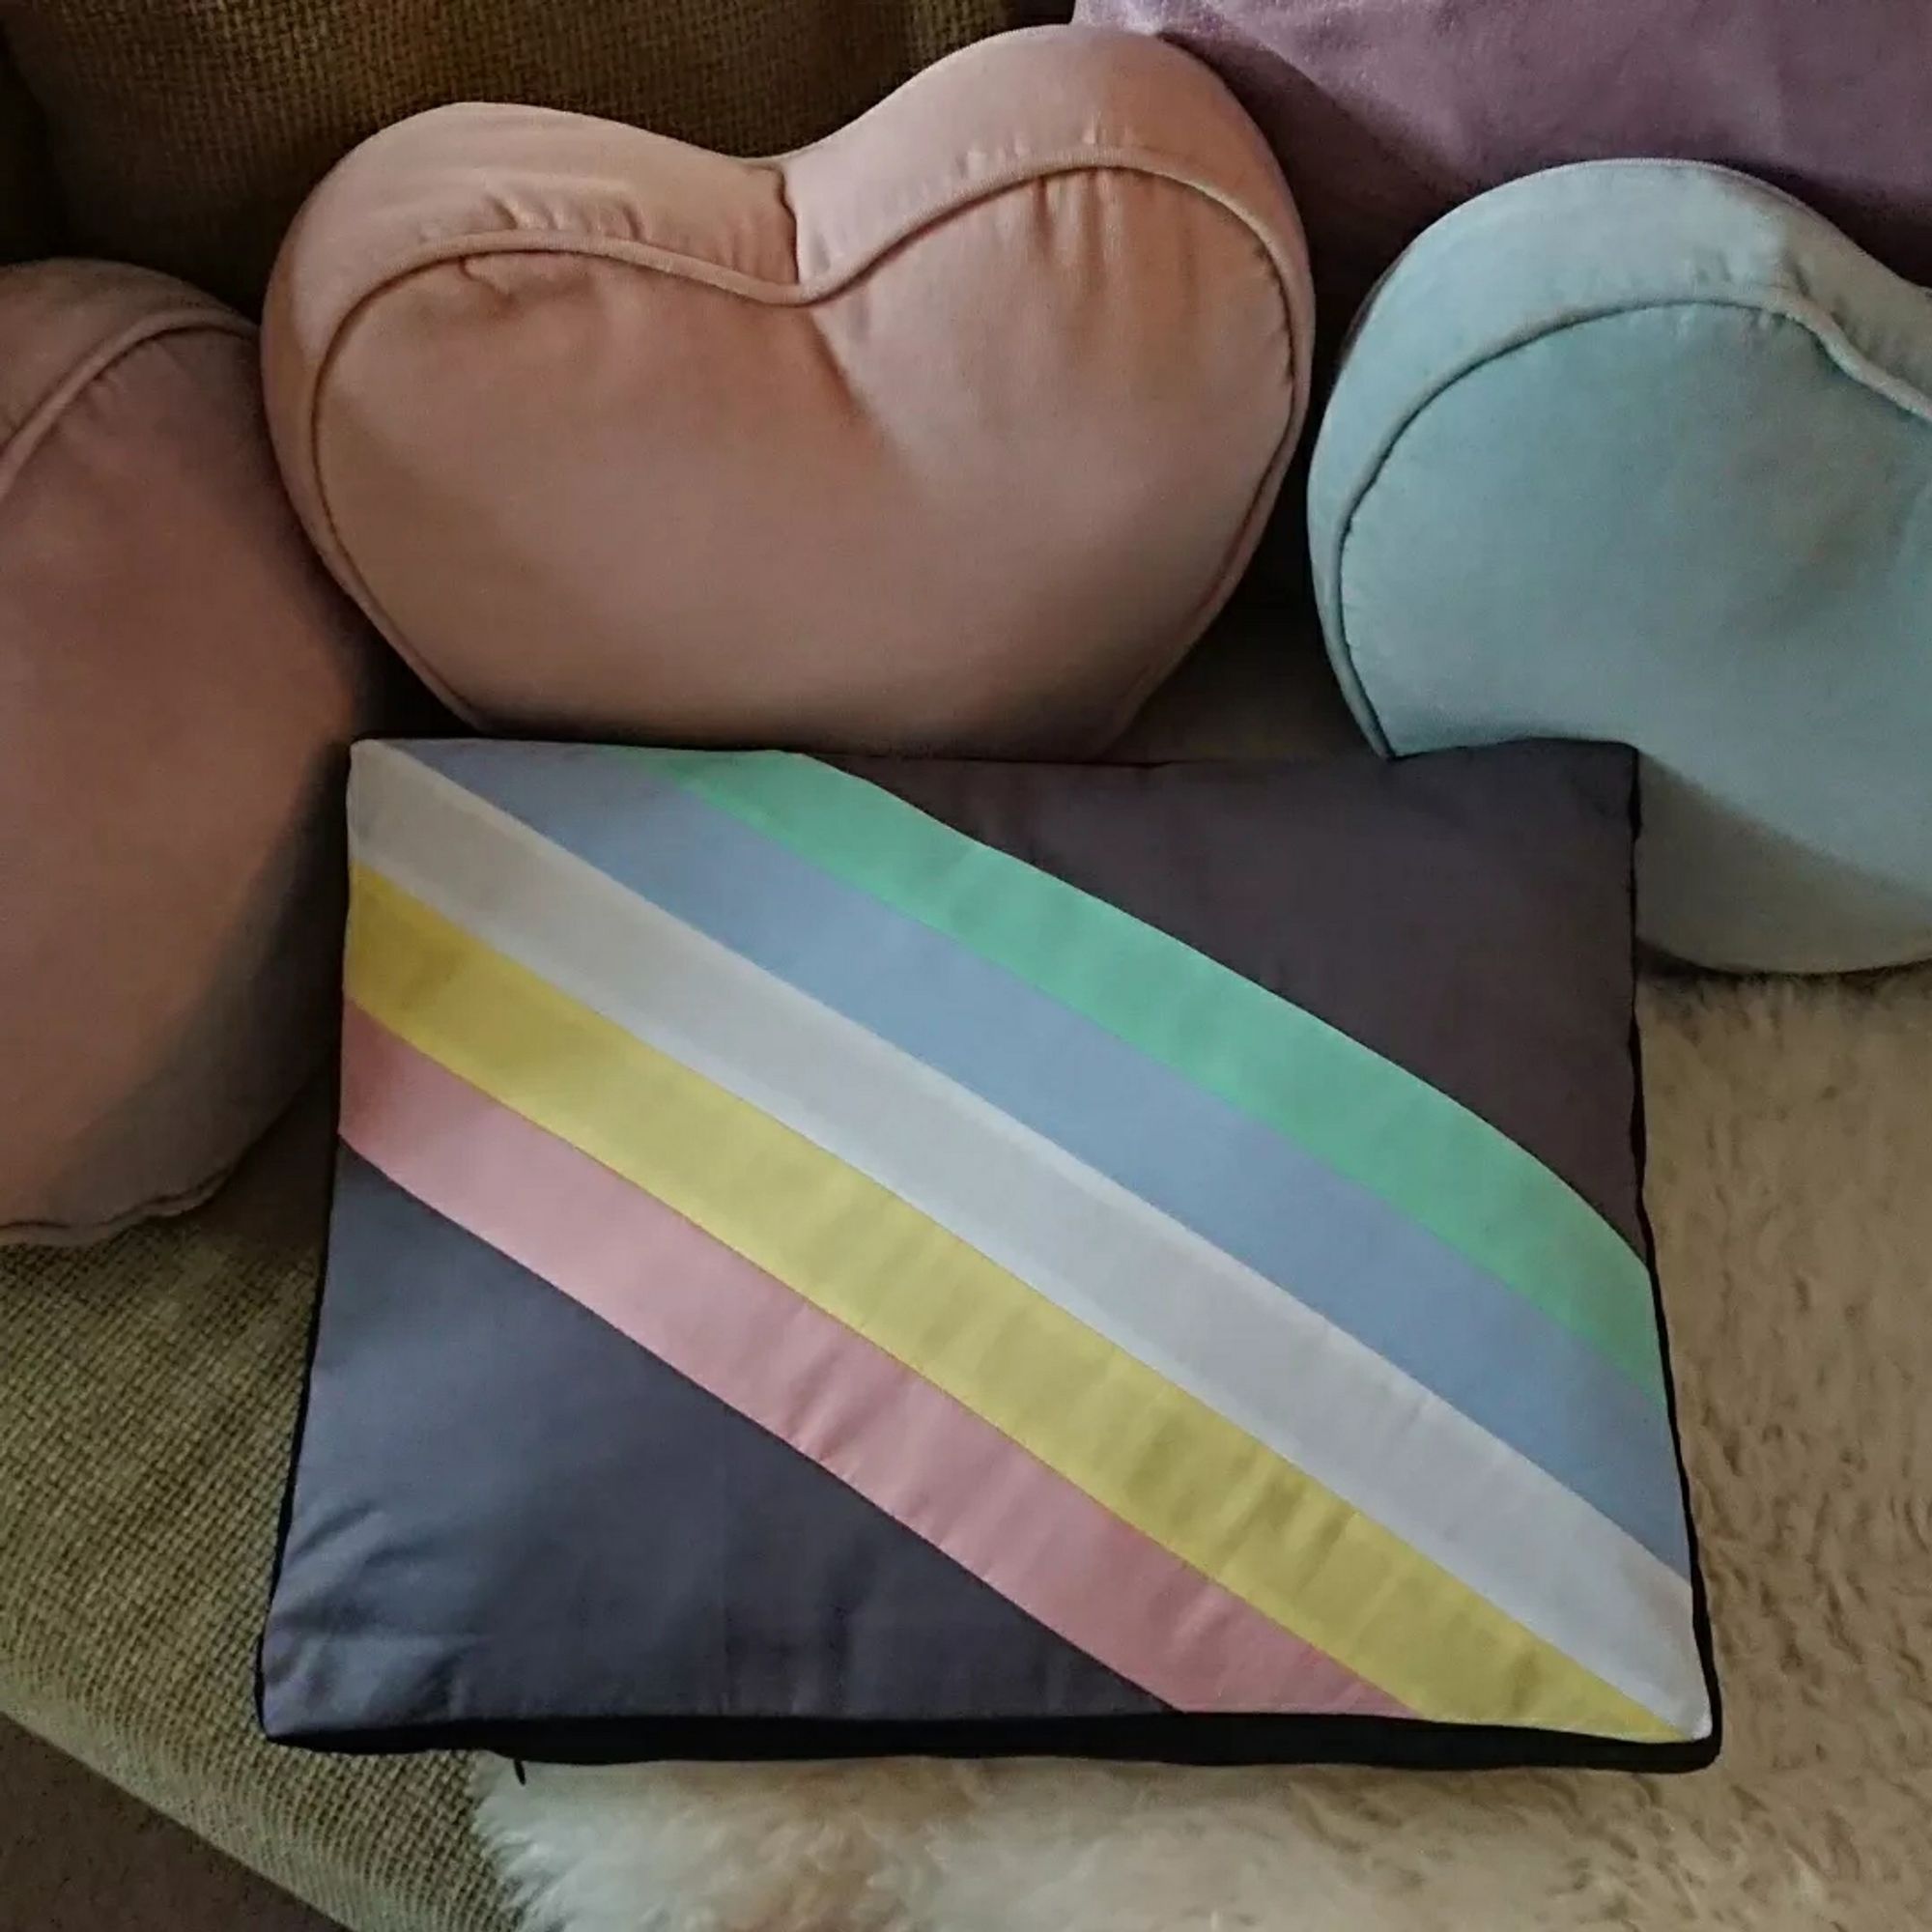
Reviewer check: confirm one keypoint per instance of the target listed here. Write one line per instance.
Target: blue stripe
(1395, 1287)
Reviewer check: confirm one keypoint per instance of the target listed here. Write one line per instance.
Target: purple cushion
(1386, 113)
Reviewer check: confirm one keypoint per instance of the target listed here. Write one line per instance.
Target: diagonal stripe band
(1436, 1162)
(1234, 1340)
(1142, 1448)
(1345, 1253)
(911, 1450)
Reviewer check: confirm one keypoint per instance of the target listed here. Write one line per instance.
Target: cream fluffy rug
(1791, 1181)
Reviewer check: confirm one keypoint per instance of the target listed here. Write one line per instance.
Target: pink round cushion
(178, 679)
(1389, 113)
(951, 431)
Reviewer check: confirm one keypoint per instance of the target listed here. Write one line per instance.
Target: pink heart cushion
(178, 680)
(952, 431)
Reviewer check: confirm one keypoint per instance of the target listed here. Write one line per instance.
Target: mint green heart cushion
(1642, 451)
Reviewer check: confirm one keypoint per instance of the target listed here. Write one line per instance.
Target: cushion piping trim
(1236, 1737)
(158, 1208)
(42, 419)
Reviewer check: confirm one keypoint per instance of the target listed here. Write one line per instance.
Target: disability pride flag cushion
(903, 1255)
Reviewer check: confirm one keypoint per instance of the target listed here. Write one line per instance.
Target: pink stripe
(925, 1460)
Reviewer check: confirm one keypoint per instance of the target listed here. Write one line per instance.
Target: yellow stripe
(1144, 1449)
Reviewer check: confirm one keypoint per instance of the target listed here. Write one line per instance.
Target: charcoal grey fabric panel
(1464, 914)
(505, 1510)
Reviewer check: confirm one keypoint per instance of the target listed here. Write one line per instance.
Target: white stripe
(1234, 1340)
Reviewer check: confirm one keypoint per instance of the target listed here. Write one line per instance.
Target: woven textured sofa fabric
(186, 132)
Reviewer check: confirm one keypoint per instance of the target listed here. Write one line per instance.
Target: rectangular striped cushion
(905, 1255)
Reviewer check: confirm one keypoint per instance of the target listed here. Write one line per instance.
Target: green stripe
(1422, 1152)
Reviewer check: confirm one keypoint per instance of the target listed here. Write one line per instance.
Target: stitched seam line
(41, 420)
